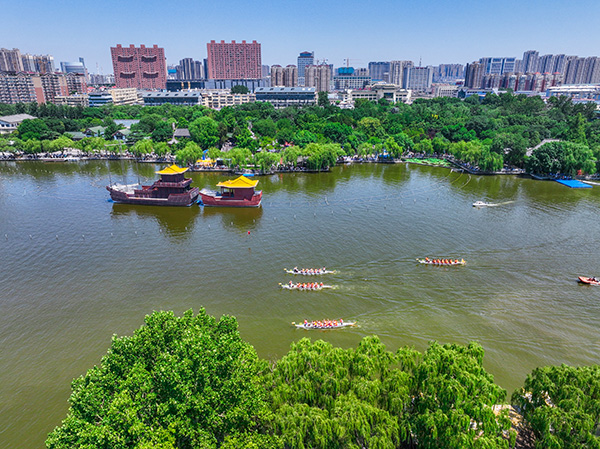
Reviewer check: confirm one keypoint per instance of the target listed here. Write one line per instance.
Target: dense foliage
(562, 406)
(191, 382)
(488, 133)
(188, 382)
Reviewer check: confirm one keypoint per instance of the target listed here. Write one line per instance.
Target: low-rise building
(376, 92)
(10, 123)
(73, 100)
(176, 98)
(220, 98)
(281, 97)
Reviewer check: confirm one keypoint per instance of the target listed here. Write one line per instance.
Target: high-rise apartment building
(305, 59)
(397, 69)
(379, 71)
(530, 62)
(10, 60)
(188, 69)
(140, 67)
(318, 76)
(446, 73)
(284, 76)
(234, 60)
(498, 66)
(474, 75)
(16, 88)
(418, 78)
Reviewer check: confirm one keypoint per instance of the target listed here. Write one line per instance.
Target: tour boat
(172, 189)
(324, 324)
(309, 271)
(304, 287)
(589, 280)
(428, 261)
(237, 192)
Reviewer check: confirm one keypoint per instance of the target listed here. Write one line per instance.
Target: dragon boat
(309, 271)
(324, 324)
(428, 261)
(588, 280)
(304, 286)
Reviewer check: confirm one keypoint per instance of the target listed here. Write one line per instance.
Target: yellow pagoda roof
(172, 170)
(239, 183)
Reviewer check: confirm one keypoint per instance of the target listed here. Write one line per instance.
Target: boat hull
(213, 200)
(310, 327)
(441, 264)
(588, 281)
(174, 199)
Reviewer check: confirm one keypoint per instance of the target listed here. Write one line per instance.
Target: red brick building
(233, 61)
(143, 68)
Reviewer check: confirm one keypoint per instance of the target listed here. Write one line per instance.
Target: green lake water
(77, 268)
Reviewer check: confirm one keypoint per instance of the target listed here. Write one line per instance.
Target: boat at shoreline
(309, 271)
(588, 280)
(442, 262)
(324, 324)
(237, 192)
(172, 189)
(304, 286)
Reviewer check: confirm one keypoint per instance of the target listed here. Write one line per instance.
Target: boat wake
(484, 204)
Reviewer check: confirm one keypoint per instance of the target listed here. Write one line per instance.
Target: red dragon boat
(428, 261)
(172, 189)
(237, 192)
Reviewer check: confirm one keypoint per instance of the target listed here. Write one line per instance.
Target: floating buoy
(209, 226)
(57, 237)
(350, 210)
(135, 232)
(186, 228)
(315, 214)
(30, 236)
(248, 232)
(294, 217)
(83, 236)
(6, 236)
(232, 223)
(111, 234)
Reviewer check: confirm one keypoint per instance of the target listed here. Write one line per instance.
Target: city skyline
(382, 31)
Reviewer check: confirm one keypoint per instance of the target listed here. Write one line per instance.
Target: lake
(77, 269)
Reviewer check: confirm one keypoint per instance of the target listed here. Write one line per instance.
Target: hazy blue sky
(379, 30)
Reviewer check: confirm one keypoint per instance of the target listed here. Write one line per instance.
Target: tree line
(490, 133)
(193, 382)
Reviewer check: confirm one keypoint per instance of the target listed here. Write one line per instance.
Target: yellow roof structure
(239, 183)
(172, 170)
(205, 162)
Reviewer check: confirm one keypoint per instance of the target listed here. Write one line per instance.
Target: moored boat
(172, 189)
(324, 324)
(237, 192)
(429, 261)
(305, 286)
(309, 271)
(589, 280)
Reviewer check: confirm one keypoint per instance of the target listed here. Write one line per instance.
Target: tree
(189, 155)
(33, 129)
(453, 399)
(185, 382)
(326, 397)
(205, 132)
(239, 89)
(562, 406)
(323, 99)
(162, 132)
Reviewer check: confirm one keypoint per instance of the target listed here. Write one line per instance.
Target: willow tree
(326, 397)
(562, 406)
(188, 382)
(453, 399)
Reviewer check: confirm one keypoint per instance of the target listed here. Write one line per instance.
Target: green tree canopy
(239, 89)
(205, 132)
(188, 382)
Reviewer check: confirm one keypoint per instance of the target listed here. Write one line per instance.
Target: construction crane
(347, 61)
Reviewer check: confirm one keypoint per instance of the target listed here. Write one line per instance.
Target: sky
(433, 31)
